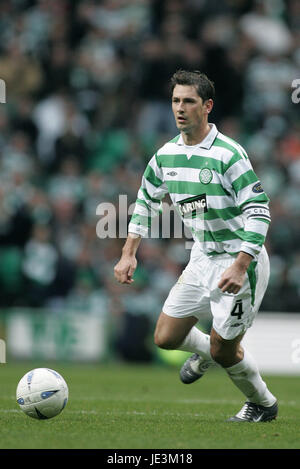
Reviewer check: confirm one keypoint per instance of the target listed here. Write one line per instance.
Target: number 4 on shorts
(239, 307)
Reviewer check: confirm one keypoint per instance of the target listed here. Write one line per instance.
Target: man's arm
(254, 203)
(148, 205)
(126, 266)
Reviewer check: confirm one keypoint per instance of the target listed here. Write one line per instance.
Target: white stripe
(245, 194)
(153, 164)
(154, 192)
(235, 145)
(250, 248)
(217, 224)
(138, 229)
(231, 245)
(140, 209)
(219, 201)
(171, 149)
(218, 153)
(238, 169)
(257, 226)
(187, 175)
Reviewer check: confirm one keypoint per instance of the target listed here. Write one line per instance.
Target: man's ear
(209, 105)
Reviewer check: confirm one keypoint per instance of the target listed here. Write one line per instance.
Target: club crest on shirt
(205, 175)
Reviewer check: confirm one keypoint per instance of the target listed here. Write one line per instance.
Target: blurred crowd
(88, 103)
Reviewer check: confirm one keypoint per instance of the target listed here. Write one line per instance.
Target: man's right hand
(125, 268)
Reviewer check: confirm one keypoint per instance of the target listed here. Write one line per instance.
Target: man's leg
(181, 334)
(242, 370)
(226, 352)
(170, 332)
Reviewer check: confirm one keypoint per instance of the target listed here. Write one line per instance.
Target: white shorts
(196, 293)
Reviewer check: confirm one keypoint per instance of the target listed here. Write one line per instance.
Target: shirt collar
(206, 142)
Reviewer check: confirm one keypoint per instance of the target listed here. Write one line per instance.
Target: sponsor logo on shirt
(193, 206)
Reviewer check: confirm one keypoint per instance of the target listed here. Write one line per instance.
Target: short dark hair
(204, 86)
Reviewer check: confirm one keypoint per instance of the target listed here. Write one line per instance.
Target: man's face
(189, 110)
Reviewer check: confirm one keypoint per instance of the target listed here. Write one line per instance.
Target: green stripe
(252, 237)
(220, 143)
(195, 162)
(234, 159)
(244, 153)
(142, 202)
(252, 279)
(148, 197)
(244, 180)
(156, 160)
(175, 139)
(195, 188)
(261, 198)
(215, 253)
(149, 174)
(222, 213)
(216, 236)
(263, 219)
(220, 236)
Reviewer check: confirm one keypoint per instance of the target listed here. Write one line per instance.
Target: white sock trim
(197, 342)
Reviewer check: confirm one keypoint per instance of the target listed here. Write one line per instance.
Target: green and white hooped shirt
(215, 190)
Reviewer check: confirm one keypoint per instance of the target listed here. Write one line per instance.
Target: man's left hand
(233, 278)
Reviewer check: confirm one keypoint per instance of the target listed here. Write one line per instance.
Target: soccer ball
(42, 393)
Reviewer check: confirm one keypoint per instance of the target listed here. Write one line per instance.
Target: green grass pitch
(119, 406)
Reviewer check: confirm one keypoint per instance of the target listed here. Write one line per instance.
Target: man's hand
(233, 278)
(125, 268)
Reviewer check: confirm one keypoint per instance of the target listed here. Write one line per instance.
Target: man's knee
(170, 332)
(218, 351)
(165, 341)
(225, 352)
